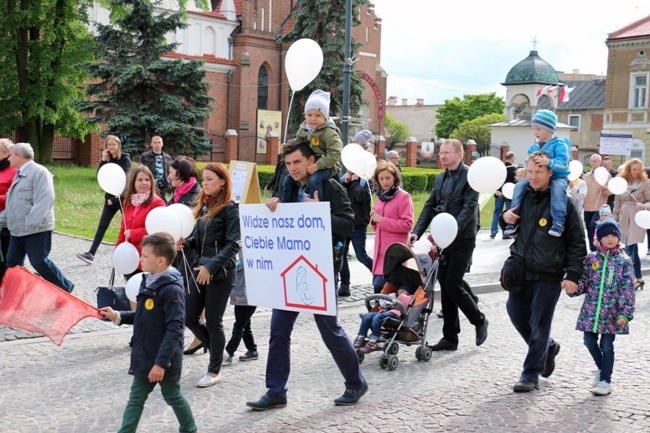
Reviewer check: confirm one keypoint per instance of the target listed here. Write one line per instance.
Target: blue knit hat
(608, 227)
(605, 210)
(545, 119)
(319, 100)
(362, 137)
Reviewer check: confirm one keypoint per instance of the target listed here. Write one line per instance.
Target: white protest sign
(288, 261)
(615, 143)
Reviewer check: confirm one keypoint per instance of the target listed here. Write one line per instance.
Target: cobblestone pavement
(83, 386)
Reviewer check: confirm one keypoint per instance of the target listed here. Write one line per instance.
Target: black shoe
(195, 349)
(344, 292)
(549, 365)
(481, 332)
(443, 345)
(352, 396)
(249, 356)
(525, 385)
(506, 237)
(493, 235)
(439, 314)
(267, 402)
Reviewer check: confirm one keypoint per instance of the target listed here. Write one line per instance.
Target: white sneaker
(208, 380)
(603, 388)
(596, 379)
(227, 359)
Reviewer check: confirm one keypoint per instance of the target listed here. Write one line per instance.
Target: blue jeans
(499, 203)
(603, 355)
(359, 243)
(278, 364)
(558, 198)
(633, 252)
(531, 312)
(373, 322)
(37, 248)
(316, 182)
(242, 329)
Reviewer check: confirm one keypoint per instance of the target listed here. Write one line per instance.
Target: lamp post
(347, 70)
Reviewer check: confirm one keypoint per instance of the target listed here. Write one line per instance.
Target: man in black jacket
(298, 157)
(452, 194)
(158, 162)
(551, 263)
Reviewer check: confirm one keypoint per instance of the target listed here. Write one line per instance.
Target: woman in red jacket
(7, 174)
(140, 198)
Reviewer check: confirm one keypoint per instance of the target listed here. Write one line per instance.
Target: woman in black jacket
(183, 179)
(214, 245)
(111, 154)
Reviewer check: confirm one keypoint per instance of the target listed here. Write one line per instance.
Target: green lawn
(79, 201)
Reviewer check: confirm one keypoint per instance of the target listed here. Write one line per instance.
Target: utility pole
(347, 71)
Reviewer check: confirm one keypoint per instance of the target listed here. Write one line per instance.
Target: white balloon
(359, 161)
(617, 185)
(642, 219)
(125, 258)
(111, 178)
(186, 218)
(601, 175)
(486, 174)
(444, 229)
(303, 62)
(575, 169)
(162, 219)
(132, 287)
(508, 190)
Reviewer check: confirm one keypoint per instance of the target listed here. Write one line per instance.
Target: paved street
(83, 385)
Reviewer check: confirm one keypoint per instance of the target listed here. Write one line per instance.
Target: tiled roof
(637, 29)
(208, 58)
(586, 94)
(239, 7)
(288, 23)
(213, 14)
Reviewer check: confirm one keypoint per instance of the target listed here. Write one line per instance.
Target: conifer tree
(136, 92)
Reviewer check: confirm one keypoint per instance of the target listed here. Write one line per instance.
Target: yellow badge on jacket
(148, 304)
(543, 222)
(314, 141)
(594, 266)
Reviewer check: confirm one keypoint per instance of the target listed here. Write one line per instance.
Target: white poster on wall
(288, 261)
(615, 143)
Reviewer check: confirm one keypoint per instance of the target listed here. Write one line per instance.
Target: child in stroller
(401, 271)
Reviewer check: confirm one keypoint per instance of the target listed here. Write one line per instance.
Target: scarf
(603, 250)
(138, 199)
(183, 189)
(4, 164)
(634, 186)
(387, 194)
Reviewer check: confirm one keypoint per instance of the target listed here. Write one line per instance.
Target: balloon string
(123, 218)
(189, 271)
(286, 125)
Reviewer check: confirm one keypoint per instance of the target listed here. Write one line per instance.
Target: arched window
(262, 88)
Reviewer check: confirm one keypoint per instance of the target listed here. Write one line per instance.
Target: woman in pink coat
(391, 218)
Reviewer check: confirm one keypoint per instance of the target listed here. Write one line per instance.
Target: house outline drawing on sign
(305, 272)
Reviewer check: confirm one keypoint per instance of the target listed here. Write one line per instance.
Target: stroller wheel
(393, 349)
(418, 353)
(426, 353)
(383, 361)
(360, 356)
(393, 362)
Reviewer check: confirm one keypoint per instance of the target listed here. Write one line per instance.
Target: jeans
(373, 322)
(242, 329)
(214, 299)
(499, 203)
(633, 252)
(453, 295)
(558, 198)
(316, 181)
(171, 391)
(603, 355)
(37, 248)
(531, 312)
(278, 364)
(358, 240)
(104, 222)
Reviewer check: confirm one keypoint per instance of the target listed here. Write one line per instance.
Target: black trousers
(4, 246)
(104, 222)
(242, 329)
(214, 299)
(453, 294)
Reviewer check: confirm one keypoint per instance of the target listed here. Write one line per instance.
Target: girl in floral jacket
(608, 286)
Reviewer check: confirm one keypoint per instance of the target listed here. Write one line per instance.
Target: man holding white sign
(298, 156)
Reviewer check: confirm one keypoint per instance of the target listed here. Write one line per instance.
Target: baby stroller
(401, 268)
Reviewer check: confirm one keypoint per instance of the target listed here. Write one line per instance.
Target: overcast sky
(438, 49)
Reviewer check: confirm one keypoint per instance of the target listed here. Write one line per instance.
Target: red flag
(564, 94)
(29, 302)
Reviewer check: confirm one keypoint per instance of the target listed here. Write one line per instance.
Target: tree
(455, 111)
(324, 22)
(398, 131)
(136, 92)
(43, 43)
(477, 129)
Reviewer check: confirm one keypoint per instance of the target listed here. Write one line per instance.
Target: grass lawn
(79, 202)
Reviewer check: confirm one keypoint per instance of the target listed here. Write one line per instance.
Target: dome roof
(533, 69)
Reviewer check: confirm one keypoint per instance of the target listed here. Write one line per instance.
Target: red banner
(378, 96)
(30, 303)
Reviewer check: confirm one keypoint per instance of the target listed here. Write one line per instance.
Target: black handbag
(513, 274)
(114, 297)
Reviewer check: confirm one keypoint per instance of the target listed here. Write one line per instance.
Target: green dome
(532, 70)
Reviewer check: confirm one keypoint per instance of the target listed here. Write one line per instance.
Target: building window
(574, 121)
(262, 88)
(639, 91)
